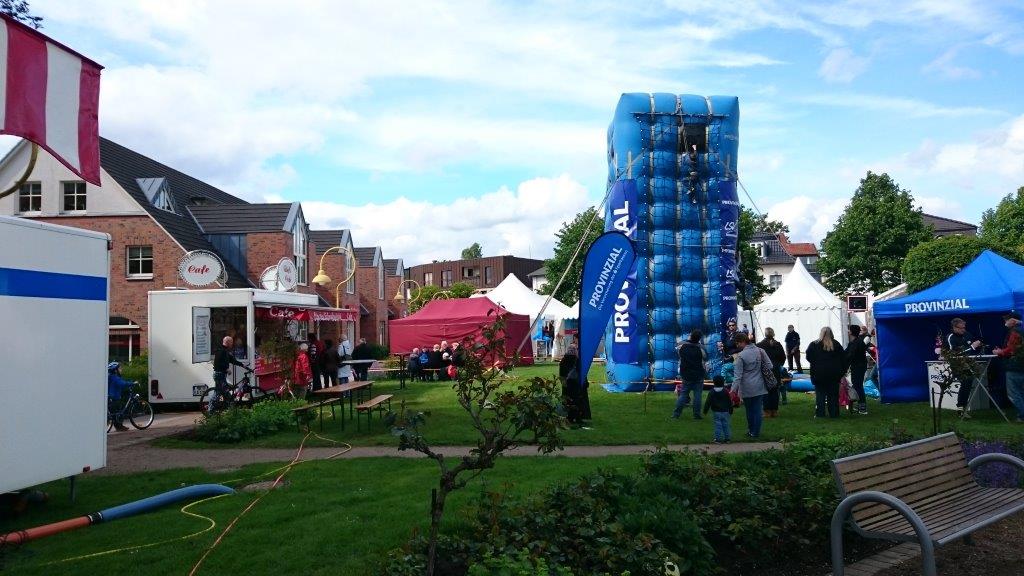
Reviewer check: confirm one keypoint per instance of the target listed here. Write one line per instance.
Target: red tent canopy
(454, 320)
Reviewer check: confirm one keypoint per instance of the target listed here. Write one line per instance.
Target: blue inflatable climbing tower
(672, 173)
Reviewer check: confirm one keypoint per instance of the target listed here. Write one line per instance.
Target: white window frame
(27, 187)
(382, 327)
(447, 278)
(772, 280)
(350, 260)
(428, 278)
(77, 185)
(380, 282)
(128, 262)
(299, 250)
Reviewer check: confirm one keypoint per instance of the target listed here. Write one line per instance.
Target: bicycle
(138, 411)
(242, 393)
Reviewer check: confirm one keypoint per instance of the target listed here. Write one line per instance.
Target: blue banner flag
(608, 262)
(622, 216)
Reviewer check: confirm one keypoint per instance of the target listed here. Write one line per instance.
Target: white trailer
(187, 326)
(54, 291)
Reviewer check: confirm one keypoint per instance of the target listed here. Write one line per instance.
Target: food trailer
(187, 326)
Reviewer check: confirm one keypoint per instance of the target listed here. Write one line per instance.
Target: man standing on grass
(793, 349)
(1012, 354)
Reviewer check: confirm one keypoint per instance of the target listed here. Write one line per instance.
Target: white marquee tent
(515, 297)
(803, 302)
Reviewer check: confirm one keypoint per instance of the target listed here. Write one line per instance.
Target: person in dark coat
(857, 360)
(434, 365)
(412, 365)
(793, 349)
(778, 357)
(728, 346)
(828, 364)
(362, 352)
(568, 374)
(691, 373)
(329, 361)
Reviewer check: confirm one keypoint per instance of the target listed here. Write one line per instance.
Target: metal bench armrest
(995, 457)
(846, 507)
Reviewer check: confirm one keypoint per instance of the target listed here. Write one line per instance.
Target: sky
(427, 126)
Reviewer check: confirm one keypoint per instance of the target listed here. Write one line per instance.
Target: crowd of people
(438, 362)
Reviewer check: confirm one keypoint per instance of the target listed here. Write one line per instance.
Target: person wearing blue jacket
(116, 386)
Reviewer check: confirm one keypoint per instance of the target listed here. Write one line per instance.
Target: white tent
(803, 302)
(515, 297)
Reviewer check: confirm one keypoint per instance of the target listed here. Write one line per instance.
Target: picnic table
(354, 390)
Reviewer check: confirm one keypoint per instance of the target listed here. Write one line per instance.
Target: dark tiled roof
(365, 255)
(325, 239)
(538, 272)
(392, 268)
(776, 254)
(127, 166)
(946, 226)
(246, 219)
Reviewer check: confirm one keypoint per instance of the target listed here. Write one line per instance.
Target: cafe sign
(287, 275)
(200, 268)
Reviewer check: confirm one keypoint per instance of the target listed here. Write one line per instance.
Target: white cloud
(809, 219)
(945, 66)
(998, 153)
(521, 222)
(895, 105)
(842, 65)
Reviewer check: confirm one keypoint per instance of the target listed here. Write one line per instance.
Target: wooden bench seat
(368, 406)
(301, 410)
(922, 492)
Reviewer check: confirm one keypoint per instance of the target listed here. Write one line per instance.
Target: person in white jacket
(345, 352)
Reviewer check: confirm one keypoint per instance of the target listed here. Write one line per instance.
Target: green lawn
(633, 418)
(333, 517)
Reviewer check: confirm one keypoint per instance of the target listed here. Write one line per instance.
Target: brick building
(483, 273)
(339, 265)
(371, 284)
(154, 215)
(394, 274)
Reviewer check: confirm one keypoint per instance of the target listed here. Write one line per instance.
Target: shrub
(996, 474)
(239, 424)
(137, 370)
(378, 351)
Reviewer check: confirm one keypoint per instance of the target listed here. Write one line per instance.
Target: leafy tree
(504, 415)
(752, 285)
(766, 225)
(866, 248)
(567, 241)
(473, 251)
(933, 261)
(18, 9)
(1004, 224)
(462, 290)
(418, 298)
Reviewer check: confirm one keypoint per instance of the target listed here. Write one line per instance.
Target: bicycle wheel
(204, 402)
(110, 421)
(141, 414)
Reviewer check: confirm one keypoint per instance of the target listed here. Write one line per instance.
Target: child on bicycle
(116, 386)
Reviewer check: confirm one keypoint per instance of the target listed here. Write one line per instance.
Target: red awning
(306, 314)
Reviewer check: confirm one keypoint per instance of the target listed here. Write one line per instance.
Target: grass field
(332, 517)
(634, 418)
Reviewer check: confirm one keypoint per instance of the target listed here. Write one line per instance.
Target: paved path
(130, 451)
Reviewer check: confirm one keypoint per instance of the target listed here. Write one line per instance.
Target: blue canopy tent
(979, 293)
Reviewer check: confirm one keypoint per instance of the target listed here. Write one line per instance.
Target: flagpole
(28, 171)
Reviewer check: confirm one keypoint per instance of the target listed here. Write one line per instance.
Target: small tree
(18, 9)
(865, 249)
(505, 417)
(473, 251)
(753, 282)
(1004, 224)
(567, 240)
(957, 368)
(933, 261)
(462, 290)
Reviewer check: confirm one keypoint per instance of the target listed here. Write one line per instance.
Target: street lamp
(400, 295)
(442, 295)
(322, 279)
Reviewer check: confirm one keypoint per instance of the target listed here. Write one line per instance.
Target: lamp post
(322, 279)
(400, 294)
(442, 295)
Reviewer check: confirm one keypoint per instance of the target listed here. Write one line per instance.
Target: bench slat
(912, 464)
(897, 454)
(911, 488)
(922, 507)
(942, 522)
(374, 402)
(950, 506)
(899, 470)
(938, 488)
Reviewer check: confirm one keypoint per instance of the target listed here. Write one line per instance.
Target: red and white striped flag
(50, 94)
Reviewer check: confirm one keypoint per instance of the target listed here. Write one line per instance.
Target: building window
(382, 327)
(774, 281)
(428, 278)
(446, 278)
(350, 262)
(380, 282)
(74, 196)
(488, 275)
(123, 347)
(470, 272)
(140, 262)
(299, 249)
(30, 197)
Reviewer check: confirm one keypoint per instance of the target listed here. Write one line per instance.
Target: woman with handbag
(828, 365)
(751, 366)
(777, 354)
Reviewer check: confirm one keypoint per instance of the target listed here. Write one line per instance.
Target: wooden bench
(301, 410)
(368, 406)
(922, 492)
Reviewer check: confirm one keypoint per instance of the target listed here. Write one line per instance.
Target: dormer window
(299, 246)
(158, 192)
(761, 248)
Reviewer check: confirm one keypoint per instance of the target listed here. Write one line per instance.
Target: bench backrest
(915, 473)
